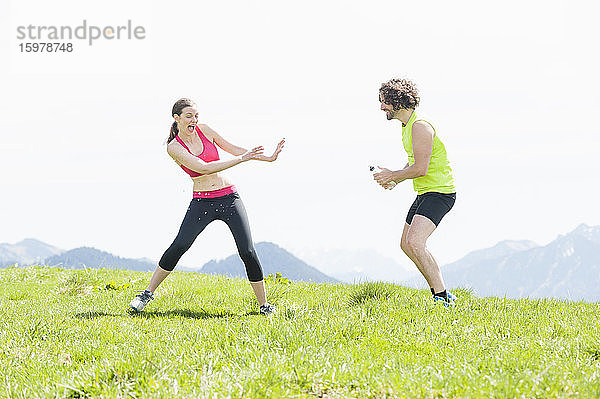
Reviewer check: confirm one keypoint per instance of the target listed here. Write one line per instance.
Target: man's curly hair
(399, 93)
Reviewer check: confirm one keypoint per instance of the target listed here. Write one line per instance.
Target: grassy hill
(66, 334)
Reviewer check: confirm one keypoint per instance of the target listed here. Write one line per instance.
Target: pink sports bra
(209, 152)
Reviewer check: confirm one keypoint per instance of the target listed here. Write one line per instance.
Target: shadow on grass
(191, 314)
(253, 313)
(593, 352)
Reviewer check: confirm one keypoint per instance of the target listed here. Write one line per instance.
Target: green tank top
(439, 177)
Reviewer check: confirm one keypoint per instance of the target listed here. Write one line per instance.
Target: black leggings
(200, 213)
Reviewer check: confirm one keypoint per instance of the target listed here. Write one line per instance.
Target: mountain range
(568, 267)
(273, 259)
(35, 252)
(93, 258)
(28, 251)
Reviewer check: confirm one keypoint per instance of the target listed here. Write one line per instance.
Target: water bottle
(388, 186)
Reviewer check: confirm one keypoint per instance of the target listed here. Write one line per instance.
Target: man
(432, 177)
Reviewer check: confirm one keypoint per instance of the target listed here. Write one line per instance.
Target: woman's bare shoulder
(173, 147)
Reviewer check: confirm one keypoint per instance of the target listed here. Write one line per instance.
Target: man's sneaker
(140, 301)
(266, 309)
(447, 303)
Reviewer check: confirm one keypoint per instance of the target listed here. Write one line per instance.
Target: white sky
(512, 88)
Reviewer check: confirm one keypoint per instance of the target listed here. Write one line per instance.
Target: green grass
(67, 334)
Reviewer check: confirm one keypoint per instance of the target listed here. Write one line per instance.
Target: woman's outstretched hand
(255, 153)
(277, 151)
(275, 154)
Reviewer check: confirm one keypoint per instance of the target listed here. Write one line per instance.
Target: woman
(192, 147)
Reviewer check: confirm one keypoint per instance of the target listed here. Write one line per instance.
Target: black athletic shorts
(431, 205)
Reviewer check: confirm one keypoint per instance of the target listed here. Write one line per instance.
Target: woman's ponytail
(177, 108)
(173, 133)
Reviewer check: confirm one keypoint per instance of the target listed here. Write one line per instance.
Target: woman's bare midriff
(212, 182)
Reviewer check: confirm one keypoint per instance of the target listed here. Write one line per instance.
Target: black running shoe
(267, 309)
